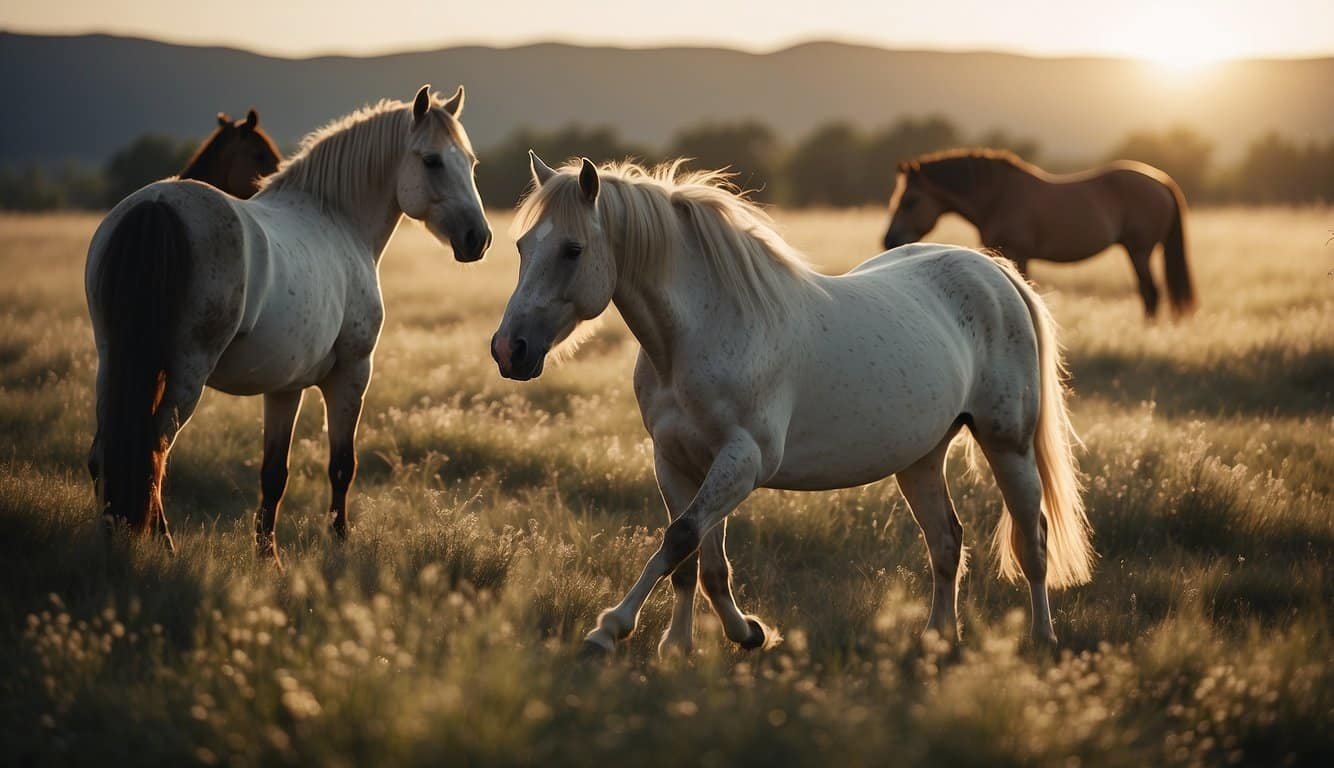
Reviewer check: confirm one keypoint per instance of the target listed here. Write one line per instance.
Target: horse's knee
(685, 577)
(680, 541)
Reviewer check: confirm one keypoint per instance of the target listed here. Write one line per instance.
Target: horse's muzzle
(516, 359)
(472, 243)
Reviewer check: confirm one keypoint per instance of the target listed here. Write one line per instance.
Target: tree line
(835, 165)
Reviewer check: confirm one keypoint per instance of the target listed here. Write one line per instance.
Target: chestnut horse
(235, 157)
(1026, 213)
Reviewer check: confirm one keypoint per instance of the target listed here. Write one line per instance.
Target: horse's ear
(542, 172)
(588, 180)
(251, 120)
(422, 103)
(224, 120)
(455, 104)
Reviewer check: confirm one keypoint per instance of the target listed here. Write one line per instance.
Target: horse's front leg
(343, 390)
(734, 474)
(677, 491)
(716, 573)
(280, 410)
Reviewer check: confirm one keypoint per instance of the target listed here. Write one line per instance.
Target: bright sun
(1177, 40)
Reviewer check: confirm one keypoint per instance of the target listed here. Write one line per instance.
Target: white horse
(189, 287)
(756, 371)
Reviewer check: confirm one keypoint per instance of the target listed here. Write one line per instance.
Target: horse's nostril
(519, 347)
(471, 239)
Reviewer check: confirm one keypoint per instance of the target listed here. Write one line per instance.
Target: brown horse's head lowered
(235, 157)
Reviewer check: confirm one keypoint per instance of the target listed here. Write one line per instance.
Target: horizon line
(666, 44)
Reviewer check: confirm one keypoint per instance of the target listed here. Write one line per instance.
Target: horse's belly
(255, 363)
(859, 446)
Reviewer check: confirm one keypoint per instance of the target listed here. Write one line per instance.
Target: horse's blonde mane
(335, 162)
(647, 214)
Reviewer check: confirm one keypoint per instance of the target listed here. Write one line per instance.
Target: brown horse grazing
(1026, 213)
(235, 157)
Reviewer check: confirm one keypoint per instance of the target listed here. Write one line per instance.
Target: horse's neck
(977, 202)
(202, 167)
(668, 311)
(376, 231)
(364, 198)
(372, 226)
(655, 312)
(375, 224)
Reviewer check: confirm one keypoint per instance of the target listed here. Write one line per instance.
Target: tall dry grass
(493, 520)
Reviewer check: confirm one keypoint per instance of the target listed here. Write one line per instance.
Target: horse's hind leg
(343, 390)
(280, 410)
(1016, 472)
(1139, 259)
(923, 486)
(178, 405)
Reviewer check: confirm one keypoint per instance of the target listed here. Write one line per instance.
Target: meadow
(492, 520)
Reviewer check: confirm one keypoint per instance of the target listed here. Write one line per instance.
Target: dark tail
(1180, 290)
(140, 288)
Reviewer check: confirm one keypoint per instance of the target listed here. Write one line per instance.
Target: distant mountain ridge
(82, 97)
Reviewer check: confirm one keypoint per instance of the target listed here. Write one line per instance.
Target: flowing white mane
(336, 162)
(647, 213)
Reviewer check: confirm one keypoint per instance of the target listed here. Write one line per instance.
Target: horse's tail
(1180, 289)
(140, 288)
(1069, 551)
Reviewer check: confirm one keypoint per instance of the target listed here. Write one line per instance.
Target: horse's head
(435, 177)
(567, 271)
(913, 208)
(244, 154)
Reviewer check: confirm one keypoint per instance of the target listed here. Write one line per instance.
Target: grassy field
(493, 520)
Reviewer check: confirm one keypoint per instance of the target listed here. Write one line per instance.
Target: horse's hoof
(339, 531)
(591, 650)
(760, 636)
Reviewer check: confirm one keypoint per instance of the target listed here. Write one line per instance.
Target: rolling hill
(82, 97)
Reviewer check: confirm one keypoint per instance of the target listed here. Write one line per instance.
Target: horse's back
(967, 299)
(909, 342)
(898, 257)
(950, 273)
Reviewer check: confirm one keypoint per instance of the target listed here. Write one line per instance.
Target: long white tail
(1069, 551)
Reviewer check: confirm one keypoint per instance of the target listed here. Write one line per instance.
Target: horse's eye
(571, 251)
(433, 161)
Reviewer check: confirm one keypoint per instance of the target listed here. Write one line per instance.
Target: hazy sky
(1184, 33)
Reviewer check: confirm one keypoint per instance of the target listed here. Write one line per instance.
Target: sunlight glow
(1179, 42)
